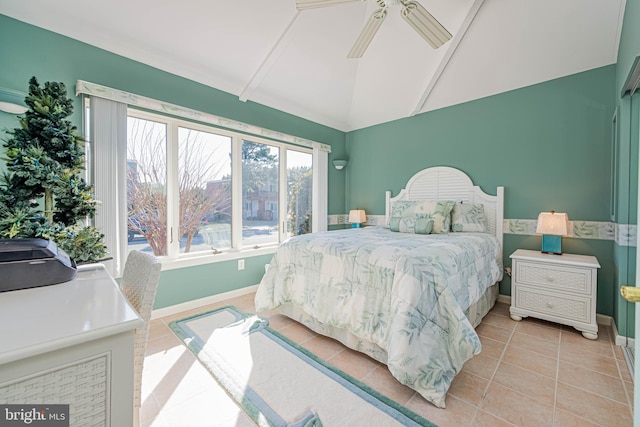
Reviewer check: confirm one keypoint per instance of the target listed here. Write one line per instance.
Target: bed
(409, 293)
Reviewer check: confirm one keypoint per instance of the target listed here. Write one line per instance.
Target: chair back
(139, 285)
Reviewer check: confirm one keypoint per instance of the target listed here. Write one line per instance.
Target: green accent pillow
(469, 217)
(402, 224)
(423, 226)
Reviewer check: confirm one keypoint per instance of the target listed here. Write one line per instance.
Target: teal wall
(31, 51)
(628, 112)
(549, 145)
(500, 140)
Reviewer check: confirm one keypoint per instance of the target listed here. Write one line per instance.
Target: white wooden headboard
(447, 183)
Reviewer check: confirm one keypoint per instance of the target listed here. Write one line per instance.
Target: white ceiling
(267, 52)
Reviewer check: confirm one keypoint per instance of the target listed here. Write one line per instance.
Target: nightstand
(557, 288)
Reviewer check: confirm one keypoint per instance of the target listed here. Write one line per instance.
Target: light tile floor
(530, 373)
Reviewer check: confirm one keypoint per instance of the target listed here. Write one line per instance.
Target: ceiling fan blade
(312, 4)
(370, 29)
(425, 24)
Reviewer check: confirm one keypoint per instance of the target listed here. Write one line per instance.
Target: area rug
(277, 382)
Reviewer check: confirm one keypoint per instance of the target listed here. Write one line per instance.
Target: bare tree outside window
(146, 182)
(204, 195)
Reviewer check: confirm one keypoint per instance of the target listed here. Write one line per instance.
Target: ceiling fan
(414, 13)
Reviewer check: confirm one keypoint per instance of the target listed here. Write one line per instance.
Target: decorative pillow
(424, 226)
(437, 211)
(411, 224)
(469, 217)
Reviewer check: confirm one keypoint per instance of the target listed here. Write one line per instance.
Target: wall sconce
(552, 226)
(357, 217)
(12, 101)
(339, 164)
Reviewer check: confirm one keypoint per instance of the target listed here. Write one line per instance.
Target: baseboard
(201, 302)
(621, 340)
(504, 298)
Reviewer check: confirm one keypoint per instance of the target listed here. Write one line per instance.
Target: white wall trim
(197, 303)
(93, 89)
(621, 340)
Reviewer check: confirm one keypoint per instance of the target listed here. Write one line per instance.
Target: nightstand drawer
(571, 308)
(555, 278)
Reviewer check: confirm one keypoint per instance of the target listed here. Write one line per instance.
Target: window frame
(176, 259)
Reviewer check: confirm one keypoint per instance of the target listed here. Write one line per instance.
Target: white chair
(139, 284)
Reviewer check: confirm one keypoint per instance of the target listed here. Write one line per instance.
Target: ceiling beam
(457, 38)
(269, 60)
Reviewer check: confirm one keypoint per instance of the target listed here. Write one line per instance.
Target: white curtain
(108, 137)
(320, 184)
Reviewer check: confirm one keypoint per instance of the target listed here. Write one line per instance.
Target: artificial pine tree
(42, 193)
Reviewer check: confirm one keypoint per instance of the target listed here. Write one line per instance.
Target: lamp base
(356, 225)
(551, 244)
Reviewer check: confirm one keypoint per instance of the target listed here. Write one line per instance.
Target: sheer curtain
(319, 194)
(108, 136)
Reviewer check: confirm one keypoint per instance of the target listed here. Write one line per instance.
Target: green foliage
(83, 244)
(43, 194)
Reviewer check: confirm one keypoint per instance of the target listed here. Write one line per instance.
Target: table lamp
(357, 217)
(552, 225)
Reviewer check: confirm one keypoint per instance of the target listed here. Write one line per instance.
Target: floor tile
(468, 387)
(381, 380)
(492, 348)
(353, 363)
(603, 364)
(534, 362)
(592, 407)
(457, 414)
(601, 346)
(483, 366)
(566, 419)
(589, 380)
(484, 419)
(510, 383)
(536, 344)
(494, 332)
(297, 332)
(500, 321)
(516, 408)
(547, 331)
(529, 383)
(501, 309)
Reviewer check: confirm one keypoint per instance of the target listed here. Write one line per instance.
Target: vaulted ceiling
(268, 52)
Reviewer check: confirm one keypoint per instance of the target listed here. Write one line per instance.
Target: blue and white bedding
(407, 293)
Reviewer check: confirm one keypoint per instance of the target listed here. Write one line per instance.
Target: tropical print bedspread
(405, 292)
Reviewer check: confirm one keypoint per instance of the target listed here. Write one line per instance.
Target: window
(299, 192)
(183, 184)
(260, 170)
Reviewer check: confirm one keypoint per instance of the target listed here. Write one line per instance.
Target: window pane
(146, 185)
(204, 174)
(299, 190)
(259, 194)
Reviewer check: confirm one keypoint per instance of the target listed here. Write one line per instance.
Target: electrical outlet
(240, 264)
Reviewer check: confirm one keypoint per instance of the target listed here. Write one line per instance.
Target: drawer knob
(549, 305)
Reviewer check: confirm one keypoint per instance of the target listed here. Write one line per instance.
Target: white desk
(70, 343)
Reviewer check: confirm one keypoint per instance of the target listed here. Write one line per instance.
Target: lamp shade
(357, 216)
(554, 223)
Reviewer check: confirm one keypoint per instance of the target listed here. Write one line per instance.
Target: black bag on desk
(29, 263)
